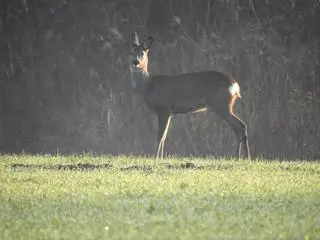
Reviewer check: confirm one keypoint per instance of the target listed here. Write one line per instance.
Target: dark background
(65, 81)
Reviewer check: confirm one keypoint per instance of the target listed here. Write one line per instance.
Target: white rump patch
(234, 89)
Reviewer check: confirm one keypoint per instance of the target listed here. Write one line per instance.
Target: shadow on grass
(142, 168)
(79, 166)
(187, 165)
(192, 166)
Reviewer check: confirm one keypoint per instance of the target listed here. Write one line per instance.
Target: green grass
(85, 197)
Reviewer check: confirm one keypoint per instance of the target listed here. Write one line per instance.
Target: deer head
(138, 59)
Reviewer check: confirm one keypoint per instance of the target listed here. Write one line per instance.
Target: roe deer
(179, 94)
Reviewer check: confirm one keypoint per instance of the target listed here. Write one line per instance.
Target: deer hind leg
(163, 127)
(225, 110)
(240, 130)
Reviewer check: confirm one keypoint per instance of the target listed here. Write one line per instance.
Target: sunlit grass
(86, 197)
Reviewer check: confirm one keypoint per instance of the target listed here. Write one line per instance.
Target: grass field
(86, 197)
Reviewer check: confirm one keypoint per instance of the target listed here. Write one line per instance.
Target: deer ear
(147, 43)
(134, 38)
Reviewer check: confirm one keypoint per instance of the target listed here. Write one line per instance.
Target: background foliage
(64, 77)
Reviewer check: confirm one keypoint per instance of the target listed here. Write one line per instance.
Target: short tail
(234, 89)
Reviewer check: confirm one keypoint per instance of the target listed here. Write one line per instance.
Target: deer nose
(135, 62)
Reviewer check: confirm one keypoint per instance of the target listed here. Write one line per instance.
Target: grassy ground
(89, 197)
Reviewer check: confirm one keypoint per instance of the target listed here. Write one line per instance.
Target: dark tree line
(64, 79)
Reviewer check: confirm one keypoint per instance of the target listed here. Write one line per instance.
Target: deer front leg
(163, 126)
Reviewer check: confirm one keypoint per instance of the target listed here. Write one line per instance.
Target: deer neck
(139, 79)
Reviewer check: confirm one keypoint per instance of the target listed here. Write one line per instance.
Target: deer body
(166, 95)
(186, 92)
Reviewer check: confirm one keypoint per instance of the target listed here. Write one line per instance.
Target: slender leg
(239, 127)
(163, 126)
(238, 153)
(165, 134)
